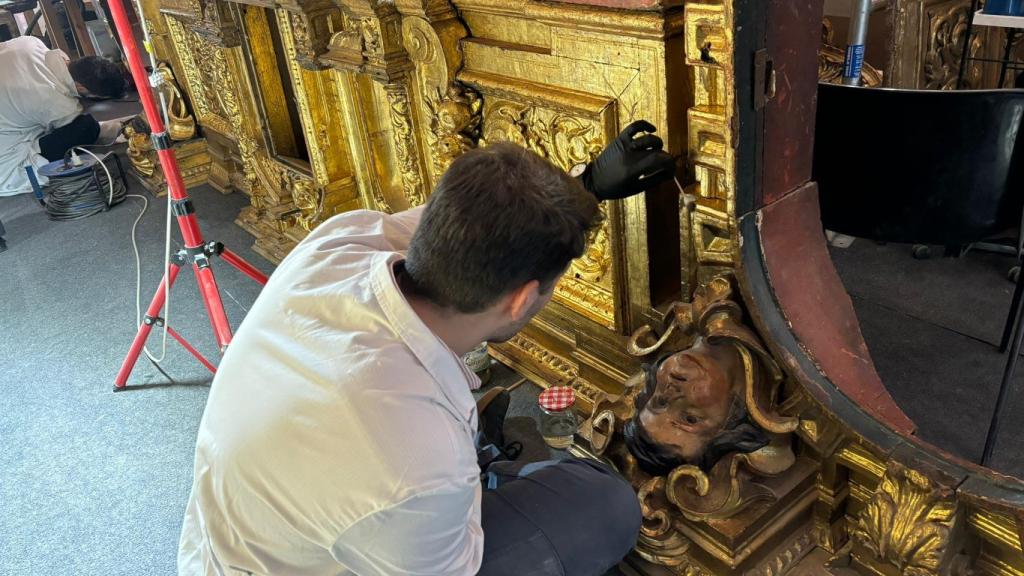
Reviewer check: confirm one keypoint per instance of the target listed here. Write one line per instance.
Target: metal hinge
(764, 79)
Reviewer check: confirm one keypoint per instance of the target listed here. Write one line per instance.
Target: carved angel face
(694, 392)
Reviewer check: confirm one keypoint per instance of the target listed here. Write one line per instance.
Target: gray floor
(93, 482)
(932, 327)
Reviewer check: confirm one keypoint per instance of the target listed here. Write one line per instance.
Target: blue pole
(861, 11)
(35, 184)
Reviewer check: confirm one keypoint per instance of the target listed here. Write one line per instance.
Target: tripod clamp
(198, 255)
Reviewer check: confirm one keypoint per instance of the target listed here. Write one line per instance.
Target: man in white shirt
(341, 436)
(40, 115)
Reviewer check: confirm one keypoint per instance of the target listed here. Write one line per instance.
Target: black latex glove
(629, 165)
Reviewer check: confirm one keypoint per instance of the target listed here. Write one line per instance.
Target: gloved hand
(629, 165)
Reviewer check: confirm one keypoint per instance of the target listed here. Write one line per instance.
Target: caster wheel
(921, 252)
(1013, 274)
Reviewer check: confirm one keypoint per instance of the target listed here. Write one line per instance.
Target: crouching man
(341, 435)
(41, 117)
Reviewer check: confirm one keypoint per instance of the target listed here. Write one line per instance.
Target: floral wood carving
(907, 522)
(565, 140)
(215, 23)
(701, 422)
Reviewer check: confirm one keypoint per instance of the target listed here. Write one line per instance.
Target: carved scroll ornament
(700, 424)
(565, 140)
(213, 21)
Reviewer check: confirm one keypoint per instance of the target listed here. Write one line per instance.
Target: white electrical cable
(167, 288)
(167, 227)
(110, 179)
(138, 260)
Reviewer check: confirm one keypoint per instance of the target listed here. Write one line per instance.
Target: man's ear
(521, 300)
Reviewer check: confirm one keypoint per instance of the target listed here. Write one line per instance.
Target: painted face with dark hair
(694, 393)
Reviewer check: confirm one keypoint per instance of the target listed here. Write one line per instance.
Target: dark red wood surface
(814, 301)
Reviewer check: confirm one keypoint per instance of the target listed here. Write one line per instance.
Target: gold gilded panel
(268, 80)
(322, 125)
(566, 139)
(201, 81)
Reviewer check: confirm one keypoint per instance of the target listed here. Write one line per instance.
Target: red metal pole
(140, 337)
(214, 305)
(185, 214)
(246, 268)
(184, 344)
(175, 185)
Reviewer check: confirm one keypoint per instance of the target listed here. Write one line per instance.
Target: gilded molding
(452, 112)
(404, 141)
(312, 29)
(906, 523)
(565, 140)
(214, 22)
(786, 558)
(857, 457)
(996, 528)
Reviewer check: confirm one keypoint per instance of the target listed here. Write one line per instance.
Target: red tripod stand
(197, 252)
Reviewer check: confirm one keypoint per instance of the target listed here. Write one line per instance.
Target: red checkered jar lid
(557, 398)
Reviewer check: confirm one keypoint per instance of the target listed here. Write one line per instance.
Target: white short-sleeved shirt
(338, 434)
(37, 94)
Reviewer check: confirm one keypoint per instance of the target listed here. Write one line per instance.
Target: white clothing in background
(37, 95)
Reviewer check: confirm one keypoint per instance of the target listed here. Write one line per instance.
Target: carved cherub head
(709, 397)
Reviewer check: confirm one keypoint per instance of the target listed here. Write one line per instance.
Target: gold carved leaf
(946, 32)
(907, 522)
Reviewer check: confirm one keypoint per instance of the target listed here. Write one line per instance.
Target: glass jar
(558, 422)
(479, 361)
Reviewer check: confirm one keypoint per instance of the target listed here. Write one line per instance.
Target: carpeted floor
(92, 481)
(933, 327)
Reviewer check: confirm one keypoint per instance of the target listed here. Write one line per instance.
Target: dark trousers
(572, 517)
(81, 131)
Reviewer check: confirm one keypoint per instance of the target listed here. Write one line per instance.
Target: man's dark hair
(100, 76)
(500, 217)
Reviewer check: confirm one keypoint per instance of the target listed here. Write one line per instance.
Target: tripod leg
(214, 305)
(191, 350)
(1012, 318)
(1004, 386)
(140, 337)
(243, 266)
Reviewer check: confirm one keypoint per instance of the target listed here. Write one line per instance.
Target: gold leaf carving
(907, 522)
(565, 373)
(454, 125)
(451, 110)
(213, 21)
(311, 32)
(404, 142)
(566, 141)
(947, 29)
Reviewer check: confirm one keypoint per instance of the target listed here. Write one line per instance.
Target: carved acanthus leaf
(907, 522)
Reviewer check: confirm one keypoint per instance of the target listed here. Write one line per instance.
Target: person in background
(41, 117)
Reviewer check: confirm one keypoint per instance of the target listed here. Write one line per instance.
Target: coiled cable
(83, 195)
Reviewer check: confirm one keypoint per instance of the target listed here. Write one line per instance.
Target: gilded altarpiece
(315, 107)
